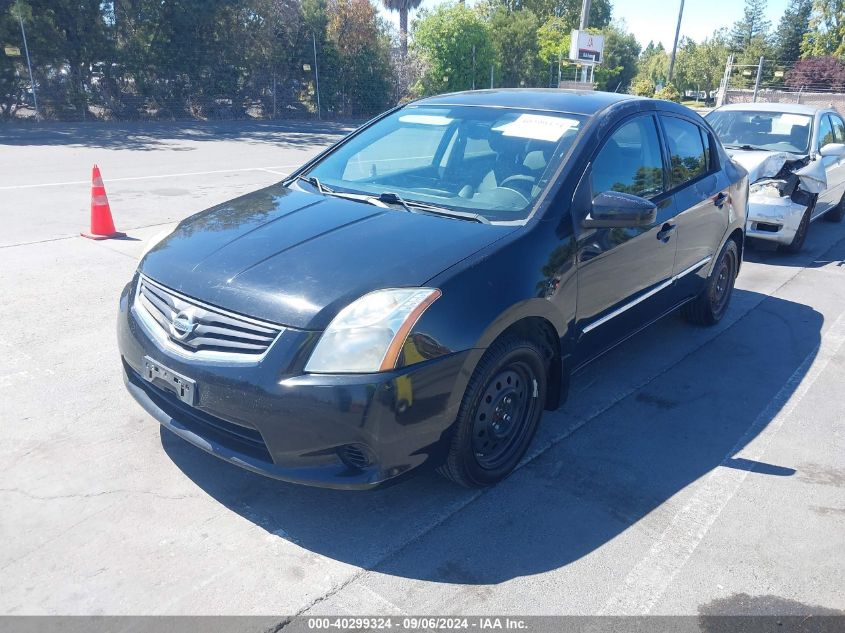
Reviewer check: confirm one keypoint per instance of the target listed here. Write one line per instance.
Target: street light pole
(675, 45)
(585, 20)
(28, 64)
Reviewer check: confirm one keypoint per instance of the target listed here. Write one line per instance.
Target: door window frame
(660, 141)
(711, 155)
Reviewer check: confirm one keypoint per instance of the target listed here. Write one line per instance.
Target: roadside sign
(12, 51)
(586, 47)
(306, 68)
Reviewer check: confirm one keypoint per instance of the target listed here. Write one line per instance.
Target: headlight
(154, 241)
(368, 334)
(768, 188)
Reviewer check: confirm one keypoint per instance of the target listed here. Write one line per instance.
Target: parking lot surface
(692, 471)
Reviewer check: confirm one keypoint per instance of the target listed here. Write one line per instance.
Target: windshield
(773, 131)
(493, 162)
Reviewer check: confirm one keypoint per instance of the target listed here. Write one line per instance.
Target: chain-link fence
(773, 81)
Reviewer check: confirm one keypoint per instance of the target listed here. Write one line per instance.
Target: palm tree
(403, 7)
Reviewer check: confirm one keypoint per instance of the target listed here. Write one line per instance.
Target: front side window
(686, 151)
(838, 129)
(825, 132)
(494, 162)
(630, 161)
(772, 131)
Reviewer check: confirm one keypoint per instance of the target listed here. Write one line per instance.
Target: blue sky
(656, 19)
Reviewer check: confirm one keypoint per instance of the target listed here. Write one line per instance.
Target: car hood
(761, 164)
(297, 258)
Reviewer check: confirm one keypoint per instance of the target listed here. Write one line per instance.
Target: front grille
(196, 327)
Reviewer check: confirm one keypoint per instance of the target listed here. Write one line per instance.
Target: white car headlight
(767, 188)
(368, 334)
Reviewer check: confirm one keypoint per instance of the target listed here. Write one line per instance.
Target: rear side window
(689, 160)
(630, 161)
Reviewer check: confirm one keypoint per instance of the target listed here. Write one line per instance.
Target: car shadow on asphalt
(151, 135)
(644, 446)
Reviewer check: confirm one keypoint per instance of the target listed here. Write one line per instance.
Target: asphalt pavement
(692, 471)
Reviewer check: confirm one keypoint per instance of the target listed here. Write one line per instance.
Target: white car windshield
(772, 131)
(490, 162)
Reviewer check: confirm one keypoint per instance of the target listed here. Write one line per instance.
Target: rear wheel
(836, 213)
(797, 242)
(499, 413)
(710, 306)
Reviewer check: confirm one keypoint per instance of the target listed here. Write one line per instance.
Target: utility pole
(757, 82)
(585, 21)
(675, 45)
(316, 75)
(28, 64)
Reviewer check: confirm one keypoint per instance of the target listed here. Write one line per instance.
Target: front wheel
(499, 413)
(797, 242)
(710, 306)
(837, 212)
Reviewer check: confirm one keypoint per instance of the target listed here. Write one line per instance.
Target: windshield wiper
(392, 198)
(314, 182)
(747, 148)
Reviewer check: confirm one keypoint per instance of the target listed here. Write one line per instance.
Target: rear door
(831, 130)
(623, 273)
(700, 191)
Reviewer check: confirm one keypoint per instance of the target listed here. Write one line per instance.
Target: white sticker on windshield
(794, 119)
(538, 127)
(425, 119)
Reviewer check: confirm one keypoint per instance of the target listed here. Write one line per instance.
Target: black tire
(836, 213)
(710, 306)
(797, 242)
(502, 406)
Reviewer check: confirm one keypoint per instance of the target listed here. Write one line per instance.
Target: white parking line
(190, 173)
(650, 578)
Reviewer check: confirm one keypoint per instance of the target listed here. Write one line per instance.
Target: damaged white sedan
(795, 158)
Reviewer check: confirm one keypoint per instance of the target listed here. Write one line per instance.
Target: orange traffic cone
(102, 226)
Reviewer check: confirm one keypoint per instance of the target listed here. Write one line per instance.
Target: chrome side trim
(592, 326)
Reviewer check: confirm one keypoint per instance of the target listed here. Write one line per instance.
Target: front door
(831, 130)
(624, 274)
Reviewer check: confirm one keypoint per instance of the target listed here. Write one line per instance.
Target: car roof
(787, 108)
(586, 102)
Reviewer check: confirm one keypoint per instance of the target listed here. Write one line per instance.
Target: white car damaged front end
(783, 189)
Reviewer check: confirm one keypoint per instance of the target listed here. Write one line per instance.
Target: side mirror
(833, 149)
(613, 209)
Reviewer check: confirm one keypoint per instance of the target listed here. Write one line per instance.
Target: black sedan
(422, 290)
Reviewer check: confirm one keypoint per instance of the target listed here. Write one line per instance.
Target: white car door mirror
(833, 149)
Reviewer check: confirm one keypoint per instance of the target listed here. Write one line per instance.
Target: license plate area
(185, 388)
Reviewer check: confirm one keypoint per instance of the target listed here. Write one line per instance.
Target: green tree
(793, 26)
(700, 65)
(514, 39)
(751, 28)
(446, 39)
(568, 10)
(619, 66)
(403, 7)
(826, 35)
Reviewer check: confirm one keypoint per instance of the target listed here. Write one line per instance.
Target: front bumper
(773, 219)
(336, 431)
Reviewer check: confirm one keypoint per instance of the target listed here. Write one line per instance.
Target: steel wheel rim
(502, 415)
(722, 285)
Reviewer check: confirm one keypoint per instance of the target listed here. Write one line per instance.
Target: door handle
(720, 199)
(665, 232)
